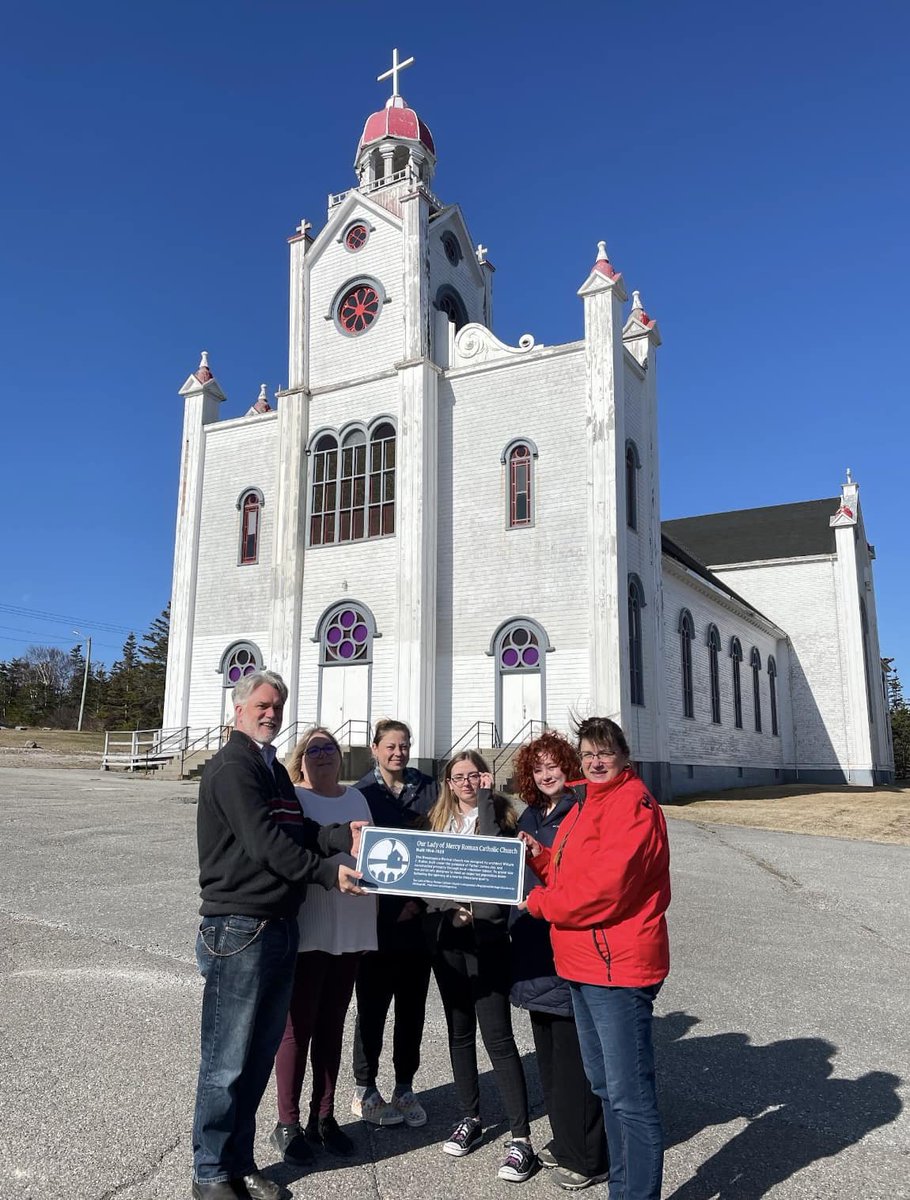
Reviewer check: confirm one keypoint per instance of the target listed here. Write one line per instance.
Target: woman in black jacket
(471, 964)
(399, 797)
(578, 1151)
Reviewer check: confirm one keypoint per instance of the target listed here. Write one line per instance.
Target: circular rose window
(347, 636)
(359, 308)
(356, 236)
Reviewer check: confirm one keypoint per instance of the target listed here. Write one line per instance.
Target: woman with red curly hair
(578, 1151)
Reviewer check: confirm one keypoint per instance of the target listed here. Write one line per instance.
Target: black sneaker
(291, 1144)
(519, 1162)
(324, 1131)
(466, 1135)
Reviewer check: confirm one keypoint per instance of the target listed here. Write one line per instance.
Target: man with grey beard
(257, 853)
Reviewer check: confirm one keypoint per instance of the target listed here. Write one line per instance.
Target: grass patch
(54, 741)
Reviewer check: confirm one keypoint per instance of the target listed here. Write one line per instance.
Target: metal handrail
(472, 738)
(344, 734)
(527, 733)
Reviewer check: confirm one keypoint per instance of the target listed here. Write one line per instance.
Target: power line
(36, 614)
(46, 638)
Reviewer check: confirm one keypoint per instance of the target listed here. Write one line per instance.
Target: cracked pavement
(781, 1032)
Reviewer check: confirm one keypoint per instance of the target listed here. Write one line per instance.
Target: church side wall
(488, 573)
(800, 595)
(705, 756)
(232, 601)
(460, 276)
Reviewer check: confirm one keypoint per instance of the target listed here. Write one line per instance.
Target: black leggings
(474, 985)
(384, 975)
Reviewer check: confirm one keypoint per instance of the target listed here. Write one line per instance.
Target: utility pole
(88, 663)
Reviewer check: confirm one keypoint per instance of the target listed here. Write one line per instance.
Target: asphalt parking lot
(782, 1030)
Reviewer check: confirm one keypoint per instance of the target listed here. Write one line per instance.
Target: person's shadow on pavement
(797, 1113)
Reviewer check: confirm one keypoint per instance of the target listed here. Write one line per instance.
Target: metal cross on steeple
(397, 67)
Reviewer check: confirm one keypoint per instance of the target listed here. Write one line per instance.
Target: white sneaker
(375, 1110)
(411, 1109)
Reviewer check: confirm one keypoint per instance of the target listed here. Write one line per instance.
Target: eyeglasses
(472, 778)
(320, 750)
(590, 756)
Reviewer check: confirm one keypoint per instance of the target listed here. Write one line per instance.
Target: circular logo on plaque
(388, 860)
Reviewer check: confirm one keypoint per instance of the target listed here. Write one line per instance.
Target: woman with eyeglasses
(577, 1155)
(335, 931)
(399, 797)
(605, 890)
(473, 972)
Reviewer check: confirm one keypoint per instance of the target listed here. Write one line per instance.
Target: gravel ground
(781, 1031)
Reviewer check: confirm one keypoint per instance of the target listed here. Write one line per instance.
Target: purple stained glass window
(519, 649)
(346, 637)
(241, 661)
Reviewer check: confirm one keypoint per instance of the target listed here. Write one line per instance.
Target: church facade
(436, 526)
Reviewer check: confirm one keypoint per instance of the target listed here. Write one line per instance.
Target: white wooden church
(435, 526)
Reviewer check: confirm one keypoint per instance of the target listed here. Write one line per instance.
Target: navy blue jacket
(535, 984)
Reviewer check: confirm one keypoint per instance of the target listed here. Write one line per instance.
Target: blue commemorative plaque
(446, 866)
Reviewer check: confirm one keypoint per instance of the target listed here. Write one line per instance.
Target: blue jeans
(614, 1032)
(248, 967)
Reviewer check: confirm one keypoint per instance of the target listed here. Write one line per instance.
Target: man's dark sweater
(257, 851)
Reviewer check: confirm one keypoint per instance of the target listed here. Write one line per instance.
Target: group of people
(288, 936)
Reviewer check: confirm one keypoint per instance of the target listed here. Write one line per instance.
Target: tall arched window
(772, 690)
(864, 622)
(686, 634)
(353, 489)
(381, 511)
(736, 654)
(519, 458)
(449, 302)
(632, 465)
(636, 662)
(250, 505)
(714, 671)
(345, 633)
(755, 664)
(324, 503)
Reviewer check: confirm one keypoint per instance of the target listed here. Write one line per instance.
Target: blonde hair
(446, 807)
(294, 763)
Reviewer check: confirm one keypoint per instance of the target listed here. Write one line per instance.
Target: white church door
(519, 647)
(521, 702)
(345, 702)
(345, 672)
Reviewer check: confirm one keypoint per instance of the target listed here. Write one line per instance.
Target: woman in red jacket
(606, 887)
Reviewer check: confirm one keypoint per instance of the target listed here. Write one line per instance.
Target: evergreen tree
(124, 688)
(900, 720)
(153, 653)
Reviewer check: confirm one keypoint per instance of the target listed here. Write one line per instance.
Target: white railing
(335, 198)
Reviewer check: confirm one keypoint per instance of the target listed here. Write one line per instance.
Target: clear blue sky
(746, 163)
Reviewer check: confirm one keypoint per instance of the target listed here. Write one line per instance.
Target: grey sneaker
(546, 1157)
(375, 1110)
(412, 1111)
(574, 1181)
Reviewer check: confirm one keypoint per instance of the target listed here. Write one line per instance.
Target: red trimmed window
(353, 487)
(381, 510)
(249, 529)
(356, 237)
(359, 308)
(520, 500)
(325, 491)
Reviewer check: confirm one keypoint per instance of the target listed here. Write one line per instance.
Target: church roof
(757, 534)
(396, 122)
(674, 550)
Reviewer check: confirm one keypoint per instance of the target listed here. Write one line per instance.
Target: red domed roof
(398, 123)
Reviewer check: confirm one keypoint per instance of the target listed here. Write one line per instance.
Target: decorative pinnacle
(263, 395)
(849, 476)
(602, 255)
(637, 305)
(203, 372)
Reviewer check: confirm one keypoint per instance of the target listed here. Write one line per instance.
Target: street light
(88, 663)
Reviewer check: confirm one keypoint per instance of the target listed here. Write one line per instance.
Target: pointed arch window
(755, 664)
(353, 485)
(633, 463)
(714, 671)
(519, 458)
(686, 636)
(324, 502)
(250, 505)
(636, 658)
(772, 694)
(736, 654)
